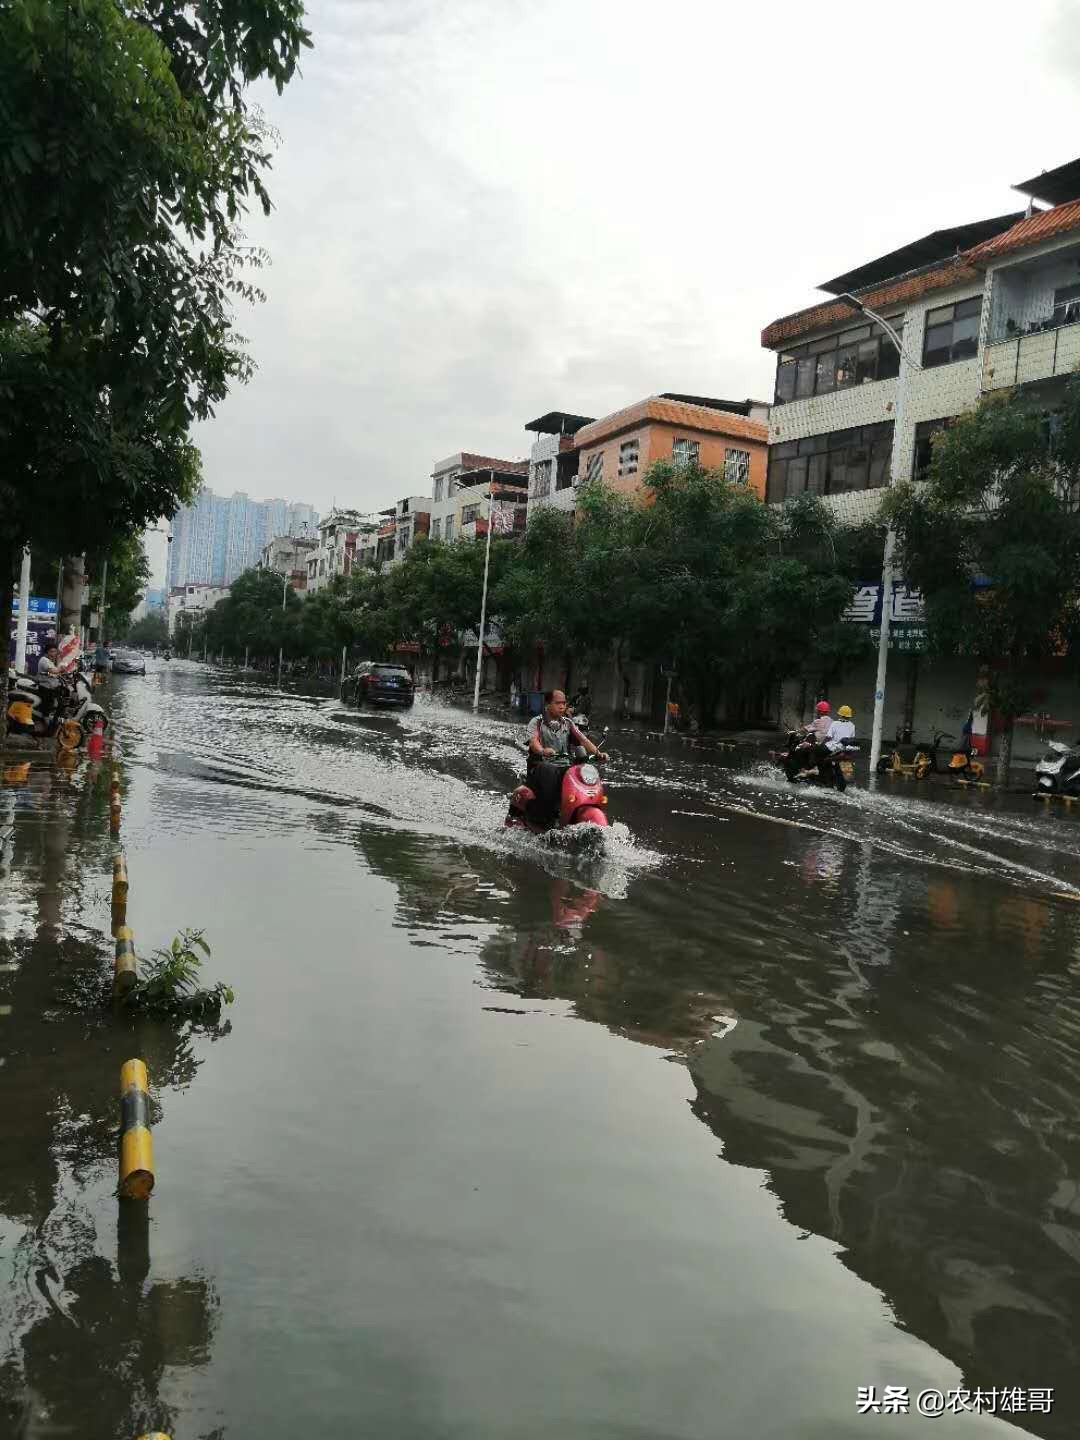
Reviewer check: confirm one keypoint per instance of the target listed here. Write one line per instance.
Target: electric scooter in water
(1058, 772)
(582, 798)
(74, 713)
(835, 773)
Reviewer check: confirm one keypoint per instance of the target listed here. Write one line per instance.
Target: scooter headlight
(590, 775)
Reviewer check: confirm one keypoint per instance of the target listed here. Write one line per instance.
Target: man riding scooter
(811, 750)
(551, 735)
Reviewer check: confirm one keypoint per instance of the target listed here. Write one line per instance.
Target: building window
(737, 467)
(594, 467)
(832, 464)
(469, 514)
(952, 332)
(403, 538)
(924, 444)
(437, 491)
(851, 357)
(685, 452)
(449, 527)
(436, 529)
(628, 457)
(541, 479)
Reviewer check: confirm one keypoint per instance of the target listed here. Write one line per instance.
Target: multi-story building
(979, 307)
(187, 603)
(289, 555)
(553, 460)
(727, 435)
(412, 521)
(459, 488)
(219, 537)
(341, 535)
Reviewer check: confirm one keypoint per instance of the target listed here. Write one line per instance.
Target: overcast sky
(487, 209)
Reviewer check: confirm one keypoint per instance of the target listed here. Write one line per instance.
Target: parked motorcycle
(582, 800)
(72, 716)
(835, 773)
(1058, 772)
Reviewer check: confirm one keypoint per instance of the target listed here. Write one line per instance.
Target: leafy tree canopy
(992, 538)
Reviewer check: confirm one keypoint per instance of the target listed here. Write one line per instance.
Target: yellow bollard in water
(155, 1435)
(119, 878)
(125, 971)
(136, 1144)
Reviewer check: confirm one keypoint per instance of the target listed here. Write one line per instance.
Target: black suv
(380, 684)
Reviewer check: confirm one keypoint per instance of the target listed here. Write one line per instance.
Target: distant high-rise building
(219, 537)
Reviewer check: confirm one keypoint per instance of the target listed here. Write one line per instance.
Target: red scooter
(583, 800)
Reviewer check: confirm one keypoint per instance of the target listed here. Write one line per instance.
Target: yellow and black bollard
(114, 812)
(136, 1144)
(119, 879)
(125, 966)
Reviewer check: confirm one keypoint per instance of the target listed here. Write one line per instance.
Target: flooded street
(774, 1099)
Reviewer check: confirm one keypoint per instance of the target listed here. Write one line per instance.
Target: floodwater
(775, 1098)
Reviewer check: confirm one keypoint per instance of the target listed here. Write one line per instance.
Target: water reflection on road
(817, 1130)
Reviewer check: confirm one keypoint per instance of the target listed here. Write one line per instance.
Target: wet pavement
(773, 1099)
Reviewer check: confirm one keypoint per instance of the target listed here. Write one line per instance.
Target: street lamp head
(850, 300)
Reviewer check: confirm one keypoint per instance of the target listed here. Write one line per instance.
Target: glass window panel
(867, 362)
(826, 372)
(964, 309)
(938, 347)
(888, 361)
(939, 317)
(858, 462)
(796, 476)
(846, 365)
(879, 471)
(862, 333)
(785, 382)
(804, 384)
(965, 349)
(784, 450)
(965, 328)
(776, 484)
(841, 439)
(817, 475)
(816, 347)
(812, 444)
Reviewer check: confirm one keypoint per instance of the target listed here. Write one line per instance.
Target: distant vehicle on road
(373, 683)
(127, 662)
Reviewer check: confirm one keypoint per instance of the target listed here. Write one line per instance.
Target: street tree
(992, 539)
(128, 153)
(150, 632)
(697, 574)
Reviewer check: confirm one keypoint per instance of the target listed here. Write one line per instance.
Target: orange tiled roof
(672, 412)
(1043, 225)
(894, 292)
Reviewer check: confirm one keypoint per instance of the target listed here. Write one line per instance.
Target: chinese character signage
(865, 607)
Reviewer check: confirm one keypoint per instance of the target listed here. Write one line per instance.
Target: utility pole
(907, 365)
(280, 648)
(483, 602)
(24, 612)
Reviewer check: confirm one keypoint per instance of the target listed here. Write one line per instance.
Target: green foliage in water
(170, 979)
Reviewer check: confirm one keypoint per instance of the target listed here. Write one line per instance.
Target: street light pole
(284, 591)
(483, 601)
(907, 365)
(24, 612)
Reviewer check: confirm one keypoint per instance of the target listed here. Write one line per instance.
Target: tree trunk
(71, 595)
(1004, 755)
(7, 594)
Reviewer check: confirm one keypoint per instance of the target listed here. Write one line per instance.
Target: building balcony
(1034, 326)
(1035, 356)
